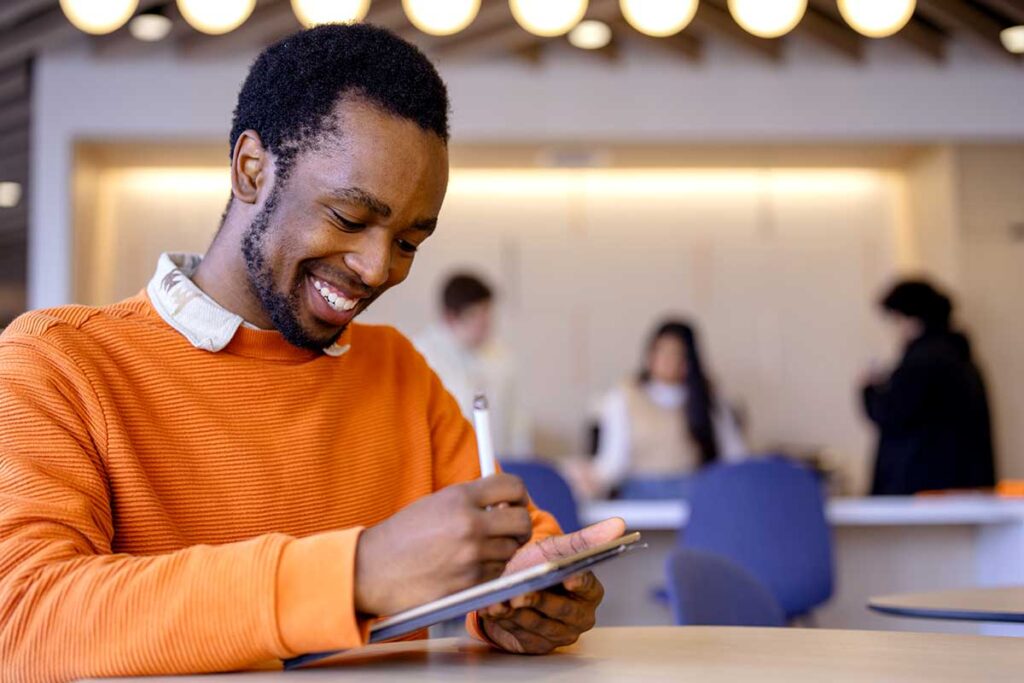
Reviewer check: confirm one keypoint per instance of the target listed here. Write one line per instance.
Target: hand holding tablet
(522, 606)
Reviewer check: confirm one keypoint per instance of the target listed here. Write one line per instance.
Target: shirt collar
(206, 324)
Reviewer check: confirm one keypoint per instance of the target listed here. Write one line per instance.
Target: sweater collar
(206, 324)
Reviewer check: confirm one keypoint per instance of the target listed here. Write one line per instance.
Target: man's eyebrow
(356, 195)
(426, 225)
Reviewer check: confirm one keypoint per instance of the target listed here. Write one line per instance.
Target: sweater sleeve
(70, 607)
(901, 402)
(611, 464)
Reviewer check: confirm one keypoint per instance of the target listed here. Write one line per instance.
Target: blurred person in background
(932, 410)
(662, 426)
(462, 350)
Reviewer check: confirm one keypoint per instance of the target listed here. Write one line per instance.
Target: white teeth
(338, 303)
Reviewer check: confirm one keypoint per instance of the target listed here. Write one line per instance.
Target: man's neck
(222, 276)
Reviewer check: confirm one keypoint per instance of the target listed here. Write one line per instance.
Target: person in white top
(462, 351)
(664, 424)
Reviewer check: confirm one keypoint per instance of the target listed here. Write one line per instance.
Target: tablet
(535, 578)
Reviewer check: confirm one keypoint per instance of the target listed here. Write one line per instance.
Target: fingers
(499, 549)
(490, 570)
(570, 611)
(575, 609)
(537, 632)
(522, 640)
(585, 587)
(570, 544)
(513, 522)
(496, 489)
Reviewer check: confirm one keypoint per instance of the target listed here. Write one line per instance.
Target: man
(222, 470)
(461, 350)
(932, 410)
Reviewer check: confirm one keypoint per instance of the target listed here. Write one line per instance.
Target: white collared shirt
(189, 310)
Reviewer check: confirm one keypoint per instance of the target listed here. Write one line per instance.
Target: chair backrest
(706, 589)
(548, 490)
(768, 516)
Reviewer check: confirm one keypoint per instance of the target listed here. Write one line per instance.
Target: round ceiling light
(658, 18)
(218, 17)
(10, 194)
(768, 18)
(548, 18)
(150, 27)
(590, 35)
(313, 12)
(98, 16)
(441, 17)
(877, 18)
(1013, 39)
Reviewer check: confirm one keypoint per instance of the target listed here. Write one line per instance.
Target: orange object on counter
(1010, 488)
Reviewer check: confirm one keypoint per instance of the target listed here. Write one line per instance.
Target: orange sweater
(165, 509)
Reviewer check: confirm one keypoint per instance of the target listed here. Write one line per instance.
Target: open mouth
(330, 303)
(334, 297)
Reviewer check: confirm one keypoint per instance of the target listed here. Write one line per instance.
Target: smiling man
(223, 469)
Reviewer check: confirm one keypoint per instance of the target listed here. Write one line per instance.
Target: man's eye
(407, 247)
(346, 223)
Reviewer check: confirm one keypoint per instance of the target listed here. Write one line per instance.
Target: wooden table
(974, 604)
(704, 654)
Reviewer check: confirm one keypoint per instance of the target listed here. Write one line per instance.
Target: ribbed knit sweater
(164, 509)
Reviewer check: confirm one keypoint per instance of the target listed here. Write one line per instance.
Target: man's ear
(250, 167)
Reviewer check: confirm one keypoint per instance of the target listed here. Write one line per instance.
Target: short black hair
(463, 290)
(292, 87)
(921, 300)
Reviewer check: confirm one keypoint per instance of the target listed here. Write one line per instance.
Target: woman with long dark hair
(666, 423)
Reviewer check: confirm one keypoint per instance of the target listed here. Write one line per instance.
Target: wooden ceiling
(29, 25)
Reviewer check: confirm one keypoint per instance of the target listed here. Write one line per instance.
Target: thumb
(556, 547)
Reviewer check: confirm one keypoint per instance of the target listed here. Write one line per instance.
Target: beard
(282, 308)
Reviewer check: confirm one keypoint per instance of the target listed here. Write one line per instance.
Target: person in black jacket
(932, 411)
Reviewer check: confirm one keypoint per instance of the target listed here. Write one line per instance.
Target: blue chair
(656, 488)
(706, 589)
(768, 516)
(548, 490)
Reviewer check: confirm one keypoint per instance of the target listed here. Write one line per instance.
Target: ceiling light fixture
(877, 18)
(1013, 39)
(150, 27)
(658, 18)
(218, 17)
(10, 194)
(441, 17)
(768, 18)
(548, 18)
(590, 35)
(314, 12)
(98, 16)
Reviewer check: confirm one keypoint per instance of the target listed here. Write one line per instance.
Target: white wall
(991, 202)
(772, 265)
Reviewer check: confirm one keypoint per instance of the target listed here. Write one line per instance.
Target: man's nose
(372, 260)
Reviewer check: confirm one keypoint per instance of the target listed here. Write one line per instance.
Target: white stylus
(484, 443)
